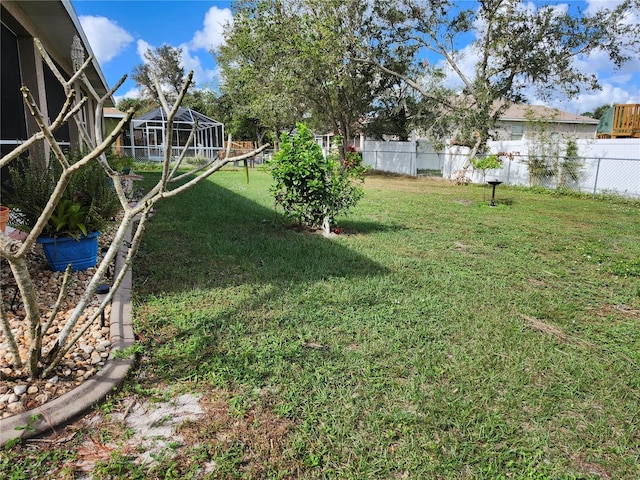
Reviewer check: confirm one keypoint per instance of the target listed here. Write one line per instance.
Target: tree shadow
(194, 254)
(362, 227)
(215, 237)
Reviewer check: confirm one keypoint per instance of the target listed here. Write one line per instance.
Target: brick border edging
(78, 401)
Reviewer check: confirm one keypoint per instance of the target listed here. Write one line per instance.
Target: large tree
(518, 48)
(254, 73)
(163, 63)
(289, 59)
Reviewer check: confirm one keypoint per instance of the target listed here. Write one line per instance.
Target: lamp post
(101, 292)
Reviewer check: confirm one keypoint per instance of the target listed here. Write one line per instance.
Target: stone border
(80, 400)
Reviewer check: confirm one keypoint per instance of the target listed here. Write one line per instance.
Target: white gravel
(20, 393)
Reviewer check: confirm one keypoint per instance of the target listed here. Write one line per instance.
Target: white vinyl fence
(393, 157)
(608, 165)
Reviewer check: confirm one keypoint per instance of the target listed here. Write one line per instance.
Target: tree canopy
(287, 60)
(165, 64)
(598, 112)
(518, 50)
(339, 63)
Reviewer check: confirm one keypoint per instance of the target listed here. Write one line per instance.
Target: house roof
(56, 23)
(520, 112)
(184, 115)
(110, 112)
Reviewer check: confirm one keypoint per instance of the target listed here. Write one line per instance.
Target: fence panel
(392, 157)
(428, 160)
(607, 166)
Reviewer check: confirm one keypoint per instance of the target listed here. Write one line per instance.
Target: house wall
(110, 124)
(36, 76)
(573, 130)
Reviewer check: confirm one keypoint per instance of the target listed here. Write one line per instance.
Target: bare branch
(8, 334)
(44, 128)
(195, 170)
(192, 134)
(214, 168)
(66, 281)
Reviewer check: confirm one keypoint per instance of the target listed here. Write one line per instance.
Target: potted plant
(4, 217)
(71, 234)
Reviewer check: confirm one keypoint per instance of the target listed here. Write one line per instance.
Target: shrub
(89, 200)
(311, 189)
(571, 165)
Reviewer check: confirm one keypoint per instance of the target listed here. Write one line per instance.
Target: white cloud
(609, 94)
(107, 38)
(211, 35)
(188, 61)
(466, 60)
(594, 6)
(142, 49)
(134, 92)
(201, 75)
(208, 38)
(589, 101)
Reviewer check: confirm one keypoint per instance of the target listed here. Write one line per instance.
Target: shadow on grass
(211, 236)
(223, 287)
(360, 227)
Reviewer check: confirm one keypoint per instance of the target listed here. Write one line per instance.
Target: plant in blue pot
(71, 243)
(71, 233)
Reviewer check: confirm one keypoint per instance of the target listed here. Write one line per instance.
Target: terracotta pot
(4, 217)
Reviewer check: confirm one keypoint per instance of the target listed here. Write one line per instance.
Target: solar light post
(101, 292)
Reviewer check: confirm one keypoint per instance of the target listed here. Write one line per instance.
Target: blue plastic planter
(61, 251)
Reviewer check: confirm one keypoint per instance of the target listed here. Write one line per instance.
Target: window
(517, 131)
(13, 118)
(55, 101)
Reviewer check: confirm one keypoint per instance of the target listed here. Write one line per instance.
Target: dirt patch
(545, 328)
(197, 433)
(621, 311)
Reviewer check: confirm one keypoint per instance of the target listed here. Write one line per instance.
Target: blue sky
(119, 32)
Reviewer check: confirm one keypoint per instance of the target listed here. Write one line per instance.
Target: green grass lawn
(436, 337)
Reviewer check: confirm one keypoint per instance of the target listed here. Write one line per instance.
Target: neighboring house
(145, 137)
(525, 122)
(113, 116)
(56, 25)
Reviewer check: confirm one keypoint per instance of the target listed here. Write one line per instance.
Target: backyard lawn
(434, 337)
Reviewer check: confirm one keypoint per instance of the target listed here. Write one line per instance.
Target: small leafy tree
(570, 165)
(490, 162)
(311, 189)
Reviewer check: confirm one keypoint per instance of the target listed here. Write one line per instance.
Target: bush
(89, 196)
(311, 189)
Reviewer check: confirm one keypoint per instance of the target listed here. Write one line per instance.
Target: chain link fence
(595, 175)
